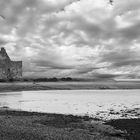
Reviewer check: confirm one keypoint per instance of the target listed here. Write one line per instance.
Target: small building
(9, 69)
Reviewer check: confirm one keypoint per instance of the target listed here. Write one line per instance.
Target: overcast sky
(78, 38)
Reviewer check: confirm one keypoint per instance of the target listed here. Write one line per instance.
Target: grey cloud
(117, 55)
(124, 7)
(51, 64)
(26, 14)
(2, 42)
(130, 33)
(105, 76)
(126, 63)
(85, 69)
(120, 57)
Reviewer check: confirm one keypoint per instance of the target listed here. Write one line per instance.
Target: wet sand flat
(103, 104)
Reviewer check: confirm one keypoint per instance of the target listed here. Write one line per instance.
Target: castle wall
(4, 66)
(3, 73)
(16, 69)
(9, 69)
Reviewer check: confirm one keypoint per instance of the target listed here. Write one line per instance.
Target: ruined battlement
(9, 69)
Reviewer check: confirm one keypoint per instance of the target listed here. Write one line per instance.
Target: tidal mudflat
(103, 104)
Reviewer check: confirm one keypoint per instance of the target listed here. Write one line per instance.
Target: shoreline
(17, 124)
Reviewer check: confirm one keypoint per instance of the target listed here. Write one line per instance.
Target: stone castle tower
(9, 69)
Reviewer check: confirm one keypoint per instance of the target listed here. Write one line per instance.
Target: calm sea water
(77, 102)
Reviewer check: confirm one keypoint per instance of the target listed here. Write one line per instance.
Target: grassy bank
(22, 86)
(20, 125)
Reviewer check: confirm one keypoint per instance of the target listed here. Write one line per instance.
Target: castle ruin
(9, 69)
